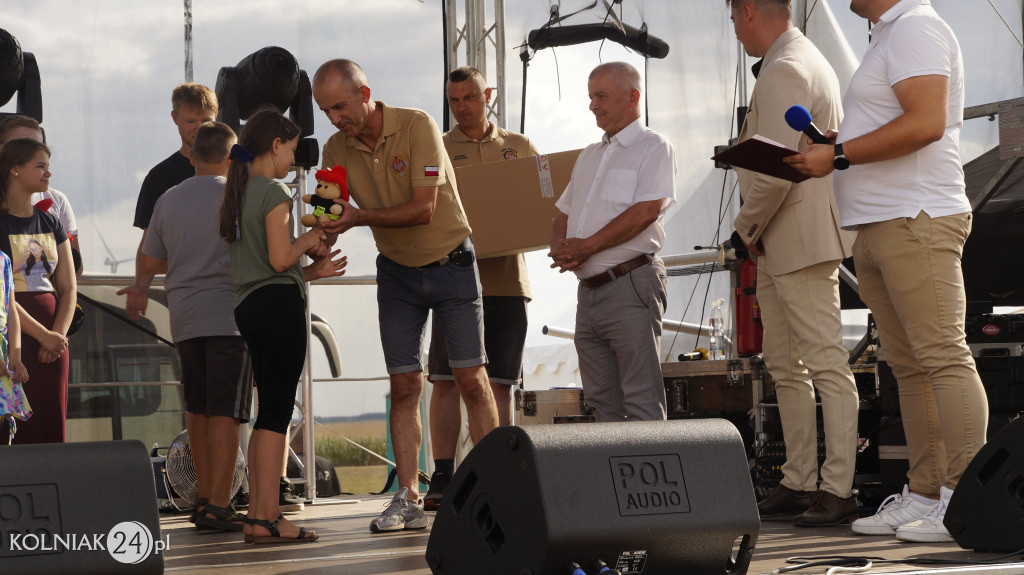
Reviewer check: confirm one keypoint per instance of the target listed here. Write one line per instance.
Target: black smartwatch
(841, 162)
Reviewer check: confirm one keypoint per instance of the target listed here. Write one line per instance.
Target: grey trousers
(618, 339)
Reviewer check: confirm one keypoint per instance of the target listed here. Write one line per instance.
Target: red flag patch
(430, 170)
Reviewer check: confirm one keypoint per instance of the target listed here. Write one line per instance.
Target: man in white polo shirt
(904, 192)
(608, 232)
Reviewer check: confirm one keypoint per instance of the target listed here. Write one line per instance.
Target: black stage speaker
(986, 512)
(654, 497)
(79, 508)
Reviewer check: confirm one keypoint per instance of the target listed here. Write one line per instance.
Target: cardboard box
(511, 204)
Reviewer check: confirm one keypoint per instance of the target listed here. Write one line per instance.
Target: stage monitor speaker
(986, 512)
(79, 508)
(655, 497)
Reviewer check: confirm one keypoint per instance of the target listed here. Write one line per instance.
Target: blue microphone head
(798, 118)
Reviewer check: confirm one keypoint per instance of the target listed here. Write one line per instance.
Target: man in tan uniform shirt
(506, 287)
(402, 180)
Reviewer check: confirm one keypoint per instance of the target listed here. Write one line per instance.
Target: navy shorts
(405, 297)
(217, 376)
(504, 338)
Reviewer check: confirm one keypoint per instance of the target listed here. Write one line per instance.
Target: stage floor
(347, 547)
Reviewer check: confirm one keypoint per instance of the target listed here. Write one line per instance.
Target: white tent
(108, 67)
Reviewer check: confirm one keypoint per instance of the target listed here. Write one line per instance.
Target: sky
(108, 67)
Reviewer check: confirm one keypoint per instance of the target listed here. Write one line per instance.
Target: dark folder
(759, 154)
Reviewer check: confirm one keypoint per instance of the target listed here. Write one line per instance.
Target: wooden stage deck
(347, 547)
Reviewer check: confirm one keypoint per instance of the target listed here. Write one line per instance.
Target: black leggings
(272, 320)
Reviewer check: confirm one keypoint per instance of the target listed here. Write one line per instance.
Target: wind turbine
(111, 259)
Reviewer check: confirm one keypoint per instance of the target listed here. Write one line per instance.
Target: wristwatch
(841, 162)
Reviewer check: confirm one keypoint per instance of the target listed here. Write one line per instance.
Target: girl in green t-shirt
(255, 220)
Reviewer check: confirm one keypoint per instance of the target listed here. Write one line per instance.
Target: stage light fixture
(637, 39)
(269, 77)
(19, 74)
(612, 28)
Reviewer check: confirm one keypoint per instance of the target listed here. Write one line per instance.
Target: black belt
(461, 256)
(616, 272)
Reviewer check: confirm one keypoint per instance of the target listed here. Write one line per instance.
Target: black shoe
(289, 499)
(828, 510)
(439, 481)
(783, 501)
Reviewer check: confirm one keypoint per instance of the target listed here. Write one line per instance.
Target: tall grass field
(359, 472)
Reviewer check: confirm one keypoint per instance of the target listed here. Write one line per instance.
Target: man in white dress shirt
(608, 232)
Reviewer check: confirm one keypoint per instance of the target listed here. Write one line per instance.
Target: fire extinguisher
(749, 329)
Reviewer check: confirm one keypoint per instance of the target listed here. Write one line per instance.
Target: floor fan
(180, 472)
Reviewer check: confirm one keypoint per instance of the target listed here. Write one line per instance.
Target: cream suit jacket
(798, 224)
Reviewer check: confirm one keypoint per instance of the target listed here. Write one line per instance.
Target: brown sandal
(222, 520)
(275, 535)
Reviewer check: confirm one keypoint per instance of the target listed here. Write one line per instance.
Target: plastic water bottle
(717, 343)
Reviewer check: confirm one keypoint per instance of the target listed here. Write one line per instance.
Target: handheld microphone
(800, 120)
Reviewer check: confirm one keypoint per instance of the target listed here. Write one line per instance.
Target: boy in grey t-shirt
(182, 241)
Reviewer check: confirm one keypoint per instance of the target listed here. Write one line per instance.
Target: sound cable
(841, 569)
(843, 561)
(855, 563)
(937, 561)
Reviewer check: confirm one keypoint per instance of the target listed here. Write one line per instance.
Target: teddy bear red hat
(335, 175)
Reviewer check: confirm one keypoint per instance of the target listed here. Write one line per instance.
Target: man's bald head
(341, 91)
(346, 70)
(623, 74)
(614, 90)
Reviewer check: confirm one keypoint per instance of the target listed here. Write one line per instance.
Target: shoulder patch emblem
(399, 166)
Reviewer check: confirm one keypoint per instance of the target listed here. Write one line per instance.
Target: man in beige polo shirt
(506, 287)
(402, 180)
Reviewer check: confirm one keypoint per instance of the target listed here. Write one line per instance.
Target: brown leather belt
(616, 272)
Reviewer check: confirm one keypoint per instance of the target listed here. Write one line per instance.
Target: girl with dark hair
(29, 236)
(270, 307)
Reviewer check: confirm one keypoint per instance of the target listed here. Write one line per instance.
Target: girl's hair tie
(240, 153)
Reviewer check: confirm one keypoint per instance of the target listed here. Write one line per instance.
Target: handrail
(94, 279)
(123, 384)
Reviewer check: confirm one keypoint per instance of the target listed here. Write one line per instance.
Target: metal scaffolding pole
(306, 383)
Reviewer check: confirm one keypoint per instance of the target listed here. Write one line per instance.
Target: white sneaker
(896, 510)
(400, 514)
(928, 529)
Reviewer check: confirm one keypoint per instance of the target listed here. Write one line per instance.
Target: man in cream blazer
(793, 231)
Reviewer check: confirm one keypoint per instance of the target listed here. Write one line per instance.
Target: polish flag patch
(430, 170)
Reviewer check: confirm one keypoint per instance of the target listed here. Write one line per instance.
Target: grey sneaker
(896, 510)
(400, 514)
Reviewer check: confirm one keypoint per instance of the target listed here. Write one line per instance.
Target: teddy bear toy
(330, 184)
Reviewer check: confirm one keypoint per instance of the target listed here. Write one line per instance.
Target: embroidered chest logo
(399, 166)
(510, 153)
